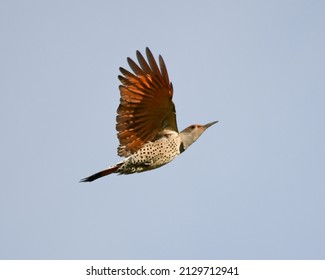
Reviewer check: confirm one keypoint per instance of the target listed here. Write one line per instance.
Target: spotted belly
(152, 155)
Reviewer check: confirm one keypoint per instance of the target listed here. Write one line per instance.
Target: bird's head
(190, 134)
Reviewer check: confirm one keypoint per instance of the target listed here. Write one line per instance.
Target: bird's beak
(209, 124)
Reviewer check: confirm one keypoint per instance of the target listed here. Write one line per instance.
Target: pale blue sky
(252, 187)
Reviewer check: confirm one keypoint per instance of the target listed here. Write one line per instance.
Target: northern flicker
(146, 120)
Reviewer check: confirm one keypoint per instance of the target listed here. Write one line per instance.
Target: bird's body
(153, 154)
(146, 120)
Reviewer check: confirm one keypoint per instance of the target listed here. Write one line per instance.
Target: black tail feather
(100, 174)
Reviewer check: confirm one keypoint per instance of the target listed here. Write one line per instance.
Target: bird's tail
(102, 173)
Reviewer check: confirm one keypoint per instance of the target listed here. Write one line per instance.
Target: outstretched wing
(146, 107)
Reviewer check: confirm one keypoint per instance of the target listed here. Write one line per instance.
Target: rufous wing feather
(146, 107)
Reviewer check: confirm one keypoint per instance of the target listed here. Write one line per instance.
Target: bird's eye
(192, 126)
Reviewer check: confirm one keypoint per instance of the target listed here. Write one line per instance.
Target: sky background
(252, 187)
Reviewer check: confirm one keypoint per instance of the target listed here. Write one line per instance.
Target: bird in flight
(146, 119)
